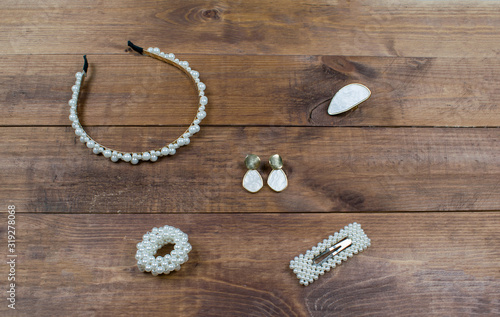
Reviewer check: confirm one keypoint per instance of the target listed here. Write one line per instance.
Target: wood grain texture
(329, 169)
(239, 266)
(417, 164)
(251, 90)
(287, 27)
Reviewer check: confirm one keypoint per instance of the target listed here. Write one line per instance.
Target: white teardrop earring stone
(347, 98)
(277, 180)
(252, 181)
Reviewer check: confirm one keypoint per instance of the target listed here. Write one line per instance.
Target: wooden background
(417, 164)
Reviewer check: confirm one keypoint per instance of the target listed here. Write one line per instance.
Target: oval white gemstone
(347, 98)
(252, 181)
(277, 180)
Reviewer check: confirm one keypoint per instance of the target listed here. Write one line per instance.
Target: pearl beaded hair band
(152, 155)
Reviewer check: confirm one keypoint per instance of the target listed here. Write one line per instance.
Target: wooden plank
(251, 90)
(287, 27)
(418, 264)
(425, 191)
(46, 169)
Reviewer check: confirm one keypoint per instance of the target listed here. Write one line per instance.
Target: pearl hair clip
(153, 155)
(155, 240)
(329, 253)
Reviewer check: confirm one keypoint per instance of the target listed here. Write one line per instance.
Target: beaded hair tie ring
(155, 240)
(154, 154)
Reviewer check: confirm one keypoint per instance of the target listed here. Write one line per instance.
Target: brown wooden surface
(128, 89)
(285, 27)
(329, 169)
(239, 265)
(417, 164)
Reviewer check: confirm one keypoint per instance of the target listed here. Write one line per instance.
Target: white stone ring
(155, 240)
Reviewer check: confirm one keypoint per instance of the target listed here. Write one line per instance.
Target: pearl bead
(127, 157)
(201, 86)
(201, 115)
(134, 160)
(192, 129)
(197, 121)
(186, 141)
(165, 151)
(153, 158)
(107, 153)
(72, 102)
(195, 74)
(171, 56)
(73, 117)
(180, 141)
(203, 100)
(75, 88)
(114, 158)
(90, 144)
(146, 156)
(156, 50)
(79, 75)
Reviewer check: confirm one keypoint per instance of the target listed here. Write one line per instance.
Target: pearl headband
(134, 158)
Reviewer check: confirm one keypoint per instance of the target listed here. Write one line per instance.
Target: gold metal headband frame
(152, 155)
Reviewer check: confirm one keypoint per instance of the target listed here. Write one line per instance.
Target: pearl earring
(252, 181)
(277, 179)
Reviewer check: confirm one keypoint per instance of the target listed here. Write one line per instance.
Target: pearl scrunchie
(155, 240)
(152, 155)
